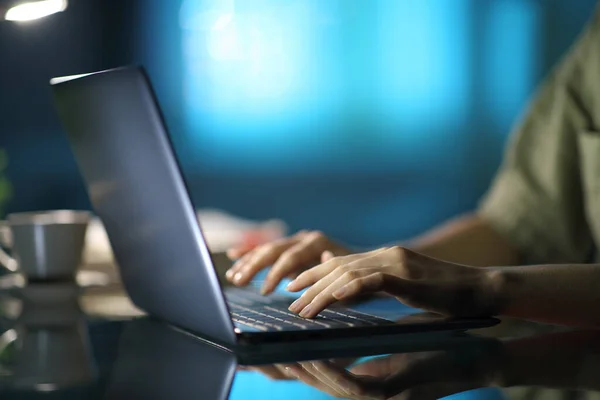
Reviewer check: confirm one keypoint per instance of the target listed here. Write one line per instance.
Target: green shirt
(546, 196)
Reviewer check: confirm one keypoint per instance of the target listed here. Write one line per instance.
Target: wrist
(495, 289)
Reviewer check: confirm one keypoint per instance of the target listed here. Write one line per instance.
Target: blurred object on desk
(44, 245)
(221, 231)
(109, 303)
(5, 186)
(44, 339)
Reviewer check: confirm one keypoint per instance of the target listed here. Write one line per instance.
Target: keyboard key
(263, 328)
(269, 313)
(271, 319)
(300, 320)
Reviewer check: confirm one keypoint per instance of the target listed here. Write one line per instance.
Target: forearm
(467, 240)
(558, 294)
(561, 360)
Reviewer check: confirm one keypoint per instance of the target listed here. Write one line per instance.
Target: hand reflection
(566, 360)
(279, 372)
(276, 372)
(403, 376)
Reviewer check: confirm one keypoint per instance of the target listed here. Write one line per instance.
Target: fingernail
(238, 277)
(265, 290)
(229, 273)
(338, 294)
(291, 372)
(291, 285)
(295, 306)
(305, 311)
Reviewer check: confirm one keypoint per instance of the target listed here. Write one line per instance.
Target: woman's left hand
(414, 279)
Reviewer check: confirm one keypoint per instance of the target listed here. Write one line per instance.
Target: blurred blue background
(371, 120)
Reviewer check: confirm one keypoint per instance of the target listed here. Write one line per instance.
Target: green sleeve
(536, 200)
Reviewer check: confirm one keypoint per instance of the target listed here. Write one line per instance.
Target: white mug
(45, 245)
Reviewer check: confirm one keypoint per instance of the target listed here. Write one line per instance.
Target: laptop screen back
(134, 182)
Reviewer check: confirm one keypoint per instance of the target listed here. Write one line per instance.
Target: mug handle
(6, 261)
(6, 339)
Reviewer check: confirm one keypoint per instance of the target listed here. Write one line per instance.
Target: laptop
(135, 183)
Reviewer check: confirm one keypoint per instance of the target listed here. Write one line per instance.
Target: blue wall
(369, 119)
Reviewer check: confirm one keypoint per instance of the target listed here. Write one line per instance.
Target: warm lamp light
(22, 11)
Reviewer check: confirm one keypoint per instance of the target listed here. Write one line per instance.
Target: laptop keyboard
(271, 314)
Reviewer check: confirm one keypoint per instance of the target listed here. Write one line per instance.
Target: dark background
(345, 150)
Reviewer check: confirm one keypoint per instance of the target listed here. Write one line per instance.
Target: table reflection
(44, 342)
(157, 362)
(568, 360)
(47, 344)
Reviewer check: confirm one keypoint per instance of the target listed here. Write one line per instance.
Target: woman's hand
(288, 257)
(414, 279)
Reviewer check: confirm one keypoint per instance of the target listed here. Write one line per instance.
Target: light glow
(62, 79)
(33, 10)
(222, 22)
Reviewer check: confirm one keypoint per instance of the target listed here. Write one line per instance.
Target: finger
(297, 256)
(283, 368)
(236, 252)
(344, 381)
(326, 256)
(271, 372)
(335, 271)
(350, 266)
(261, 258)
(378, 367)
(308, 296)
(303, 373)
(325, 297)
(317, 273)
(248, 255)
(313, 275)
(324, 384)
(376, 282)
(230, 274)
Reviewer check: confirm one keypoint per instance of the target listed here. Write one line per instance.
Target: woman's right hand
(288, 256)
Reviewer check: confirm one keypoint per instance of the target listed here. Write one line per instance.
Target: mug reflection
(44, 345)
